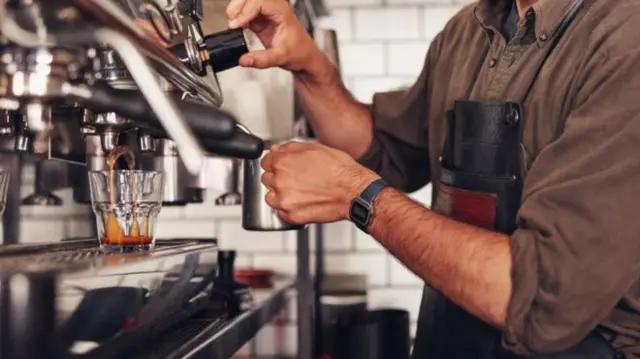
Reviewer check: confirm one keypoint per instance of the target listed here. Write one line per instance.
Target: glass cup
(5, 177)
(126, 208)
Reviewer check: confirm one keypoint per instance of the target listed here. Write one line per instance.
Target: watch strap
(365, 201)
(371, 192)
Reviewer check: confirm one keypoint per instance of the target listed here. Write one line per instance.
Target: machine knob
(222, 49)
(226, 260)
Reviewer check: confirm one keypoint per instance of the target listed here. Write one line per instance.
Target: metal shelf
(220, 338)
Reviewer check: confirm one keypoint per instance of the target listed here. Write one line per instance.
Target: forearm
(338, 120)
(469, 265)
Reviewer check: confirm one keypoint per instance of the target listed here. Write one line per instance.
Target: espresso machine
(77, 79)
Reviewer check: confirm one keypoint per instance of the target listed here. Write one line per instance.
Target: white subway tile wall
(362, 59)
(406, 58)
(388, 23)
(383, 45)
(366, 87)
(435, 18)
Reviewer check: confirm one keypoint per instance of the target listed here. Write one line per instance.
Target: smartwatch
(361, 210)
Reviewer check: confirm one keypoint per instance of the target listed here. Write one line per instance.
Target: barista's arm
(469, 265)
(337, 118)
(389, 137)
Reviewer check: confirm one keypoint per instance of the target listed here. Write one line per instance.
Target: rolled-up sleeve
(399, 150)
(576, 252)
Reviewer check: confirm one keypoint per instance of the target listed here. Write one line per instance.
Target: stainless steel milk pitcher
(257, 215)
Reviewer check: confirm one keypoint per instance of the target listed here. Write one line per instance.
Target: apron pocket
(487, 202)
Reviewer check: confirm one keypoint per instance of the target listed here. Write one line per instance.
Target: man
(526, 119)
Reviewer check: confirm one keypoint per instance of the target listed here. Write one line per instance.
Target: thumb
(262, 59)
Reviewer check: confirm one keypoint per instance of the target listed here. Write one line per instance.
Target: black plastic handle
(224, 49)
(241, 145)
(206, 121)
(226, 263)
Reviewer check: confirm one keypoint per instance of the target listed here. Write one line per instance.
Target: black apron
(480, 183)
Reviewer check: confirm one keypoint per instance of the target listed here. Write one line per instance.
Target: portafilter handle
(222, 49)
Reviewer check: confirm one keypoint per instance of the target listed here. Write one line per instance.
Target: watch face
(360, 212)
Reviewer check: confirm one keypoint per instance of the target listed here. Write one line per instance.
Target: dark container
(377, 334)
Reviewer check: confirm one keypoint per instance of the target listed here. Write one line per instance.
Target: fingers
(317, 213)
(279, 152)
(292, 146)
(268, 180)
(244, 13)
(271, 199)
(275, 147)
(283, 215)
(234, 8)
(267, 163)
(262, 59)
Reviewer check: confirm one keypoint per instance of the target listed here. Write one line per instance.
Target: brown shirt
(576, 252)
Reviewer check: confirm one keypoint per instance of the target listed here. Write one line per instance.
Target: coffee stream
(114, 234)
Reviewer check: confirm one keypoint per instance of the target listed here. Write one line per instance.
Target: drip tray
(81, 254)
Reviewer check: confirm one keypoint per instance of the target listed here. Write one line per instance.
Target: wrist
(355, 185)
(319, 71)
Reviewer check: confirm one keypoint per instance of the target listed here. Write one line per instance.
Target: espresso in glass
(126, 203)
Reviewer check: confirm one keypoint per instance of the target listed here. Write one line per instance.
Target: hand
(287, 43)
(312, 183)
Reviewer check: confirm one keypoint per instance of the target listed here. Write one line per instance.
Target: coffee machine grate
(72, 255)
(45, 262)
(174, 340)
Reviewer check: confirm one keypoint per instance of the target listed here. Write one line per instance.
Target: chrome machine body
(136, 72)
(77, 78)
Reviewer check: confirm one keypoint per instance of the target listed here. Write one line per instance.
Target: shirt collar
(548, 15)
(490, 13)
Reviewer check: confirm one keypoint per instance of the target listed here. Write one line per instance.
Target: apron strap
(571, 14)
(477, 71)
